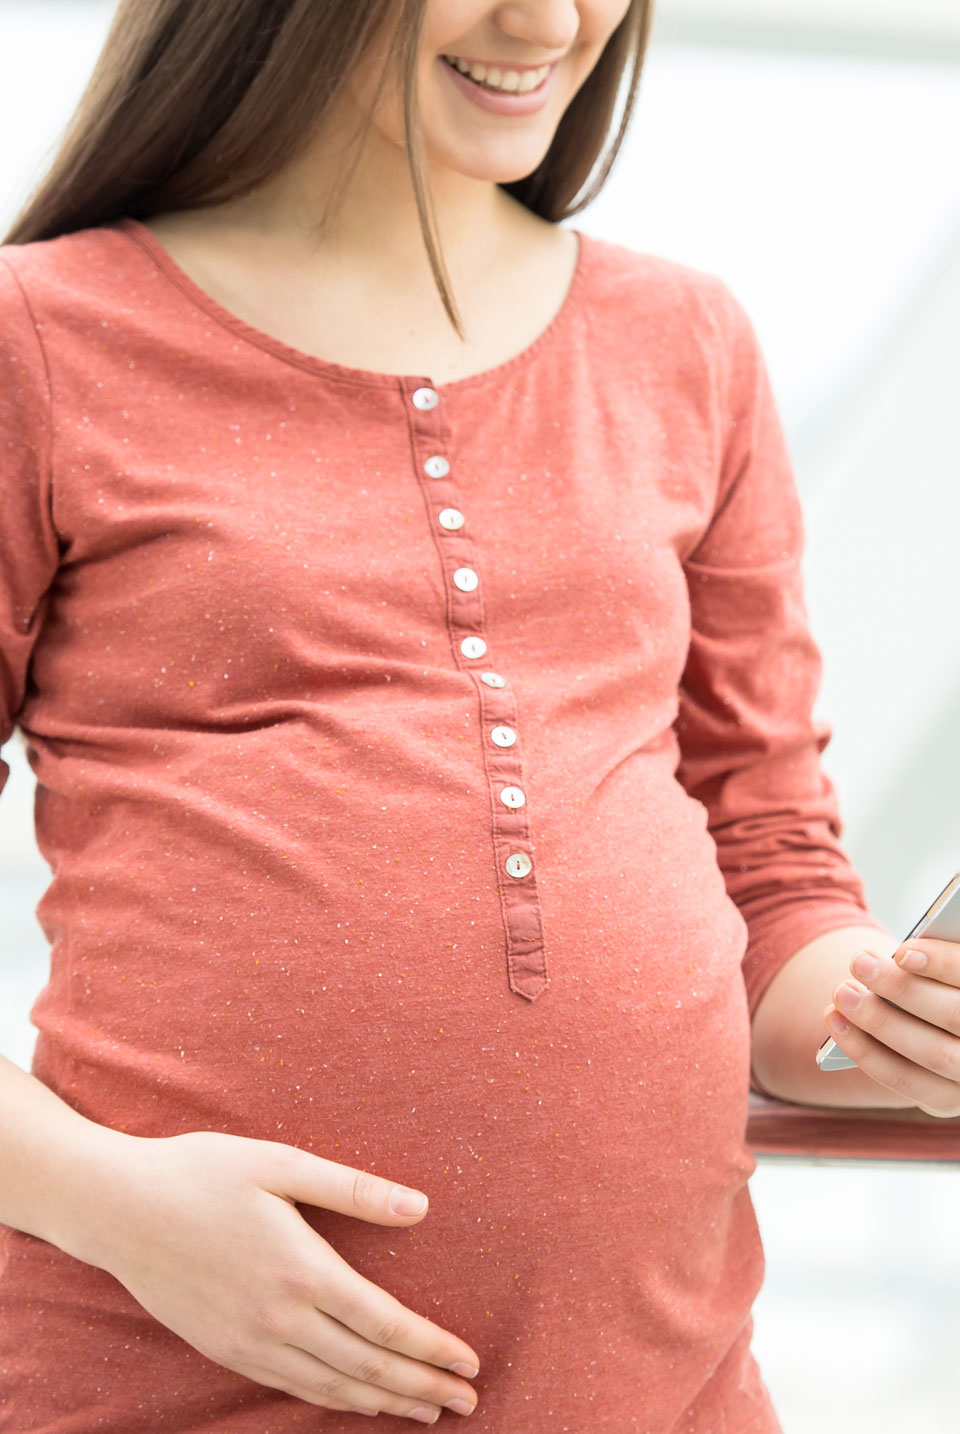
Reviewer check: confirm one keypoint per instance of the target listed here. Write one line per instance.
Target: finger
(927, 1045)
(379, 1369)
(299, 1373)
(921, 996)
(297, 1174)
(288, 1376)
(897, 1059)
(940, 959)
(312, 1180)
(383, 1321)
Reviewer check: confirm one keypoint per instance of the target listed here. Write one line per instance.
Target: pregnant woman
(401, 607)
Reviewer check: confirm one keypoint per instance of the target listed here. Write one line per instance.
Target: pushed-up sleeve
(29, 550)
(749, 747)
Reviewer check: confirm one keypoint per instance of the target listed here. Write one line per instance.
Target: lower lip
(505, 103)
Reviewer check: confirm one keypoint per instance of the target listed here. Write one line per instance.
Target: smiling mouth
(497, 89)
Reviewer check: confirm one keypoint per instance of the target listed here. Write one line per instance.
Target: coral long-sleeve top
(428, 778)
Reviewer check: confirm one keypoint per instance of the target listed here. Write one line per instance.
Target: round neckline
(345, 373)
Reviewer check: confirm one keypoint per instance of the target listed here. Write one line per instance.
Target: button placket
(501, 737)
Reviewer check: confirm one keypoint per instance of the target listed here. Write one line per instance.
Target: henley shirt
(428, 778)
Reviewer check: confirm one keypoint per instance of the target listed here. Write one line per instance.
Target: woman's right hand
(203, 1230)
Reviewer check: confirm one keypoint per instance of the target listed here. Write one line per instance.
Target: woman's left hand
(914, 1050)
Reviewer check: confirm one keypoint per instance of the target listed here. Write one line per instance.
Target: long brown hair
(195, 102)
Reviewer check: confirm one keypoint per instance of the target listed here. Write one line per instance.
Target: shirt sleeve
(750, 749)
(29, 549)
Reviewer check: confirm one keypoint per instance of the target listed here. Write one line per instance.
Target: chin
(489, 170)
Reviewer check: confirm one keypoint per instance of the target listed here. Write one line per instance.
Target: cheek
(616, 10)
(598, 21)
(375, 86)
(382, 98)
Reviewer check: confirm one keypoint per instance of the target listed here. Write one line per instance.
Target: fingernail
(913, 960)
(426, 1416)
(460, 1406)
(847, 996)
(864, 965)
(355, 1409)
(837, 1023)
(466, 1371)
(407, 1202)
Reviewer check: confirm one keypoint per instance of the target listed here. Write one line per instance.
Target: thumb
(312, 1180)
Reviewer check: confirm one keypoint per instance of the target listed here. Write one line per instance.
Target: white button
(451, 519)
(436, 467)
(518, 864)
(466, 579)
(425, 398)
(512, 797)
(493, 679)
(473, 647)
(503, 736)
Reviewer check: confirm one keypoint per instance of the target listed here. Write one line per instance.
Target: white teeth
(510, 81)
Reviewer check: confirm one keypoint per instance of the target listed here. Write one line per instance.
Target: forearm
(788, 1025)
(53, 1162)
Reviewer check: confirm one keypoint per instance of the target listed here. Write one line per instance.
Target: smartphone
(942, 922)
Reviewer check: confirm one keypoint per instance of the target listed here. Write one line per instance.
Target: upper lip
(502, 64)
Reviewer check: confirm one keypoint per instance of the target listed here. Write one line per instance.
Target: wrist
(86, 1185)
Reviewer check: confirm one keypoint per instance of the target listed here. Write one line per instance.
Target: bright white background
(807, 154)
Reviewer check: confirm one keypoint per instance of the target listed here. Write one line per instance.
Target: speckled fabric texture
(428, 778)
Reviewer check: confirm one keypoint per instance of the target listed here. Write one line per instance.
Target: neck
(375, 227)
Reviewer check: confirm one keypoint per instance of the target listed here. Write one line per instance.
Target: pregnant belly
(583, 1153)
